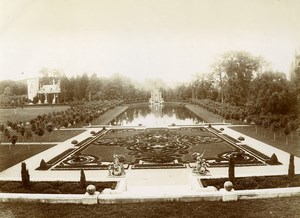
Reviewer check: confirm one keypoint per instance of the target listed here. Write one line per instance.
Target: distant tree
(22, 130)
(234, 71)
(269, 93)
(40, 132)
(50, 128)
(257, 121)
(294, 127)
(13, 139)
(287, 132)
(265, 125)
(7, 133)
(28, 134)
(275, 126)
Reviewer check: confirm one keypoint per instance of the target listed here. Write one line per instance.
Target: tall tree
(235, 71)
(269, 93)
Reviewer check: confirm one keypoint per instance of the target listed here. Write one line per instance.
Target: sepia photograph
(149, 108)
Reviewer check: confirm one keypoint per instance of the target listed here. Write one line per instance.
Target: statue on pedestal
(117, 168)
(201, 164)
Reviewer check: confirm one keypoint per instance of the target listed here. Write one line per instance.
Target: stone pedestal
(90, 199)
(229, 195)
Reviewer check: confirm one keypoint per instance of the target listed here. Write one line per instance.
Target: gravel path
(107, 117)
(204, 114)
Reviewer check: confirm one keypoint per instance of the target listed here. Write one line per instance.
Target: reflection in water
(156, 116)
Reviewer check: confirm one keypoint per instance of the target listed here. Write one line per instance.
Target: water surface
(156, 116)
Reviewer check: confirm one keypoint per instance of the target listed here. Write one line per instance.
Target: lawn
(56, 136)
(13, 154)
(276, 207)
(27, 113)
(266, 136)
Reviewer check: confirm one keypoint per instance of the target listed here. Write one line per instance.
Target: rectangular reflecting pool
(156, 116)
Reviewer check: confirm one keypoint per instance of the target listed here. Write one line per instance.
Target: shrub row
(52, 187)
(258, 182)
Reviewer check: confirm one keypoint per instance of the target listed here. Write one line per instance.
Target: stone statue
(117, 168)
(201, 164)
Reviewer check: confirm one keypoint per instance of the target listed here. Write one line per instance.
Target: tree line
(236, 78)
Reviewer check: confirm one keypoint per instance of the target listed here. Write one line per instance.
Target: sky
(168, 39)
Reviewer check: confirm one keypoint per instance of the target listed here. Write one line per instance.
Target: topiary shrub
(273, 160)
(74, 142)
(93, 132)
(231, 174)
(77, 158)
(221, 129)
(241, 138)
(291, 172)
(25, 175)
(43, 165)
(82, 179)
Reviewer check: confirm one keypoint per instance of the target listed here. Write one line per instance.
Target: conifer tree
(82, 179)
(231, 174)
(291, 173)
(25, 175)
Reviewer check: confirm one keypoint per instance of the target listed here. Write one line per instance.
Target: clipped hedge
(256, 182)
(56, 187)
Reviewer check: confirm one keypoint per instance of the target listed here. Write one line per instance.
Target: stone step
(159, 190)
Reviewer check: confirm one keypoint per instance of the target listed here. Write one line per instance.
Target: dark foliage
(273, 160)
(291, 172)
(231, 174)
(82, 180)
(43, 165)
(25, 175)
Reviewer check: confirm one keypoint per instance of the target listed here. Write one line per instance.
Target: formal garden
(87, 140)
(159, 148)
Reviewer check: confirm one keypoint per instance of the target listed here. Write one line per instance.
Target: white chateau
(156, 98)
(45, 93)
